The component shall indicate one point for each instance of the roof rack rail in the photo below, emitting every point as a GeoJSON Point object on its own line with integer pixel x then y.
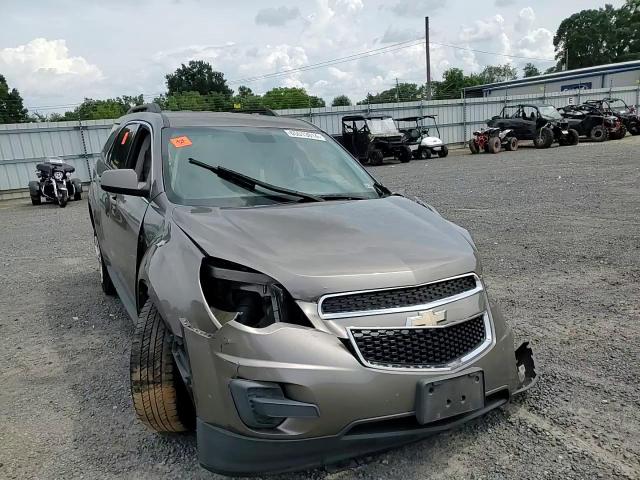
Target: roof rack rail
{"type": "Point", "coordinates": [147, 107]}
{"type": "Point", "coordinates": [255, 111]}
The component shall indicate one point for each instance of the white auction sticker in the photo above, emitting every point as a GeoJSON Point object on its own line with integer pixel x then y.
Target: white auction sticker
{"type": "Point", "coordinates": [305, 134]}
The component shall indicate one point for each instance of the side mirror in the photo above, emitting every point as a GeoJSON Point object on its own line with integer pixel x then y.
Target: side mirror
{"type": "Point", "coordinates": [123, 181]}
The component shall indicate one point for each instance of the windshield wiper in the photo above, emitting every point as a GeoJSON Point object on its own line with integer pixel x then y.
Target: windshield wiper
{"type": "Point", "coordinates": [341, 196]}
{"type": "Point", "coordinates": [249, 183]}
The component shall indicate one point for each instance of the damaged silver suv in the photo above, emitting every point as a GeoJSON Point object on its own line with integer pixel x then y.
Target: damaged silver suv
{"type": "Point", "coordinates": [288, 306]}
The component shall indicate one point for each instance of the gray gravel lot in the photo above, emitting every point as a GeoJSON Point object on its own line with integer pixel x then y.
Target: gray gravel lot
{"type": "Point", "coordinates": [559, 234]}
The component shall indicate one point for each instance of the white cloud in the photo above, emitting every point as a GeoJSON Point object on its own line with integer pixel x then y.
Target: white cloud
{"type": "Point", "coordinates": [416, 8]}
{"type": "Point", "coordinates": [348, 6]}
{"type": "Point", "coordinates": [44, 68]}
{"type": "Point", "coordinates": [504, 3]}
{"type": "Point", "coordinates": [397, 34]}
{"type": "Point", "coordinates": [482, 29]}
{"type": "Point", "coordinates": [276, 16]}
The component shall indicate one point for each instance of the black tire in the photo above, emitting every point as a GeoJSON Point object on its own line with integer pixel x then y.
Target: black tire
{"type": "Point", "coordinates": [77, 196]}
{"type": "Point", "coordinates": [160, 398]}
{"type": "Point", "coordinates": [544, 139]}
{"type": "Point", "coordinates": [36, 200]}
{"type": "Point", "coordinates": [634, 128]}
{"type": "Point", "coordinates": [473, 146]}
{"type": "Point", "coordinates": [573, 137]}
{"type": "Point", "coordinates": [494, 144]}
{"type": "Point", "coordinates": [405, 155]}
{"type": "Point", "coordinates": [63, 199]}
{"type": "Point", "coordinates": [598, 133]}
{"type": "Point", "coordinates": [105, 279]}
{"type": "Point", "coordinates": [424, 153]}
{"type": "Point", "coordinates": [512, 144]}
{"type": "Point", "coordinates": [376, 157]}
{"type": "Point", "coordinates": [620, 134]}
{"type": "Point", "coordinates": [443, 152]}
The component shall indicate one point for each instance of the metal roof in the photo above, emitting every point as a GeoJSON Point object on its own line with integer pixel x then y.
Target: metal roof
{"type": "Point", "coordinates": [579, 72]}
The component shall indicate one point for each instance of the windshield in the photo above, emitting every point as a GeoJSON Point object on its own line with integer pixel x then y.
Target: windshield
{"type": "Point", "coordinates": [305, 161]}
{"type": "Point", "coordinates": [549, 113]}
{"type": "Point", "coordinates": [382, 126]}
{"type": "Point", "coordinates": [618, 105]}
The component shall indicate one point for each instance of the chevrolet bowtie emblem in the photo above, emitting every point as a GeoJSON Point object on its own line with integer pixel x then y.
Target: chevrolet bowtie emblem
{"type": "Point", "coordinates": [429, 318]}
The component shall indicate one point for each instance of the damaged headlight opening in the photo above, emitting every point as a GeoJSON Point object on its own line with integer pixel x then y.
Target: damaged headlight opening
{"type": "Point", "coordinates": [236, 292]}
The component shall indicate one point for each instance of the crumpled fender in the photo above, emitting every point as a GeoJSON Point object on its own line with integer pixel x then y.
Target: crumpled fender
{"type": "Point", "coordinates": [170, 268]}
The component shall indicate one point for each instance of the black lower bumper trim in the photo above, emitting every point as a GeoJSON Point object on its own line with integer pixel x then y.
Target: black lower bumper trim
{"type": "Point", "coordinates": [228, 453]}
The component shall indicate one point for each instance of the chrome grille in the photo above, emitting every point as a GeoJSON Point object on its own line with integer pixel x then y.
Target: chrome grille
{"type": "Point", "coordinates": [359, 302]}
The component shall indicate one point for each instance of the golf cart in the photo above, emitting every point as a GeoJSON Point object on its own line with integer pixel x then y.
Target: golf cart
{"type": "Point", "coordinates": [372, 138]}
{"type": "Point", "coordinates": [541, 123]}
{"type": "Point", "coordinates": [417, 137]}
{"type": "Point", "coordinates": [619, 108]}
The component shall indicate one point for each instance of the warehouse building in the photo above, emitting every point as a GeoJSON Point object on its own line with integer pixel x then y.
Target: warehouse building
{"type": "Point", "coordinates": [623, 74]}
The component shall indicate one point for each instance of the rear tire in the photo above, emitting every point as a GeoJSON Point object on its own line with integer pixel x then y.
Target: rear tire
{"type": "Point", "coordinates": [444, 151]}
{"type": "Point", "coordinates": [512, 144]}
{"type": "Point", "coordinates": [598, 133]}
{"type": "Point", "coordinates": [405, 155]}
{"type": "Point", "coordinates": [473, 146]}
{"type": "Point", "coordinates": [36, 200]}
{"type": "Point", "coordinates": [376, 157]}
{"type": "Point", "coordinates": [494, 145]}
{"type": "Point", "coordinates": [620, 134]}
{"type": "Point", "coordinates": [634, 129]}
{"type": "Point", "coordinates": [160, 398]}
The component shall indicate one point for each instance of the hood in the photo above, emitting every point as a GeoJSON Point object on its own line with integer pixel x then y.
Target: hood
{"type": "Point", "coordinates": [329, 247]}
{"type": "Point", "coordinates": [430, 141]}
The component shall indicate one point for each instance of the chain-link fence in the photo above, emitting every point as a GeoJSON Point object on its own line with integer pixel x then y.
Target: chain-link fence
{"type": "Point", "coordinates": [78, 143]}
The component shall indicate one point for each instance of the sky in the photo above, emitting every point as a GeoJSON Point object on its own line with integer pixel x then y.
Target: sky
{"type": "Point", "coordinates": [58, 53]}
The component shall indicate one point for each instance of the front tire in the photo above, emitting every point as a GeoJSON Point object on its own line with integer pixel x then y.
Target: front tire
{"type": "Point", "coordinates": [544, 139]}
{"type": "Point", "coordinates": [473, 146]}
{"type": "Point", "coordinates": [425, 153]}
{"type": "Point", "coordinates": [405, 155]}
{"type": "Point", "coordinates": [160, 398]}
{"type": "Point", "coordinates": [63, 199]}
{"type": "Point", "coordinates": [376, 157]}
{"type": "Point", "coordinates": [512, 144]}
{"type": "Point", "coordinates": [444, 151]}
{"type": "Point", "coordinates": [36, 200]}
{"type": "Point", "coordinates": [573, 137]}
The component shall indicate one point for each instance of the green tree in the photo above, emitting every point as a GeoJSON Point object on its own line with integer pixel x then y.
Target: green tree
{"type": "Point", "coordinates": [244, 92]}
{"type": "Point", "coordinates": [290, 97]}
{"type": "Point", "coordinates": [197, 76]}
{"type": "Point", "coordinates": [402, 92]}
{"type": "Point", "coordinates": [595, 37]}
{"type": "Point", "coordinates": [91, 109]}
{"type": "Point", "coordinates": [498, 73]}
{"type": "Point", "coordinates": [341, 101]}
{"type": "Point", "coordinates": [530, 70]}
{"type": "Point", "coordinates": [11, 104]}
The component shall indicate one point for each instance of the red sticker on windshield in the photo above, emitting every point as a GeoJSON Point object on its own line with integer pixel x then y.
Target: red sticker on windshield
{"type": "Point", "coordinates": [180, 142]}
{"type": "Point", "coordinates": [124, 138]}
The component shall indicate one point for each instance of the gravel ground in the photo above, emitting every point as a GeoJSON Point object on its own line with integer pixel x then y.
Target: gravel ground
{"type": "Point", "coordinates": [558, 230]}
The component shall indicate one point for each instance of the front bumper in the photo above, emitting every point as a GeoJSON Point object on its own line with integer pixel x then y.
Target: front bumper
{"type": "Point", "coordinates": [361, 409]}
{"type": "Point", "coordinates": [229, 453]}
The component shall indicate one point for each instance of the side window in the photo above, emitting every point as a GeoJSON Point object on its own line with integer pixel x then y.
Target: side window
{"type": "Point", "coordinates": [140, 157]}
{"type": "Point", "coordinates": [119, 153]}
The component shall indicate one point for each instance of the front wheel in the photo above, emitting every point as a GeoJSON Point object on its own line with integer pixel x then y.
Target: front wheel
{"type": "Point", "coordinates": [63, 199]}
{"type": "Point", "coordinates": [634, 129]}
{"type": "Point", "coordinates": [425, 153]}
{"type": "Point", "coordinates": [473, 146]}
{"type": "Point", "coordinates": [444, 151]}
{"type": "Point", "coordinates": [405, 155]}
{"type": "Point", "coordinates": [36, 200]}
{"type": "Point", "coordinates": [573, 137]}
{"type": "Point", "coordinates": [598, 133]}
{"type": "Point", "coordinates": [160, 398]}
{"type": "Point", "coordinates": [544, 139]}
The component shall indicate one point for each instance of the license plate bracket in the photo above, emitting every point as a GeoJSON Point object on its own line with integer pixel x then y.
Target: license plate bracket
{"type": "Point", "coordinates": [441, 399]}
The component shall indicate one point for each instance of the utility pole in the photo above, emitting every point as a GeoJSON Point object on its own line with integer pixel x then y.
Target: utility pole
{"type": "Point", "coordinates": [397, 91]}
{"type": "Point", "coordinates": [428, 56]}
{"type": "Point", "coordinates": [566, 57]}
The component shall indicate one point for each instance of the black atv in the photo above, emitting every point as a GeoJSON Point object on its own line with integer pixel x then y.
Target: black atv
{"type": "Point", "coordinates": [541, 123]}
{"type": "Point", "coordinates": [619, 108]}
{"type": "Point", "coordinates": [592, 123]}
{"type": "Point", "coordinates": [372, 138]}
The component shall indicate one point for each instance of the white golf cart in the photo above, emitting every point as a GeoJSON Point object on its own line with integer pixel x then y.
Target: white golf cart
{"type": "Point", "coordinates": [417, 136]}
